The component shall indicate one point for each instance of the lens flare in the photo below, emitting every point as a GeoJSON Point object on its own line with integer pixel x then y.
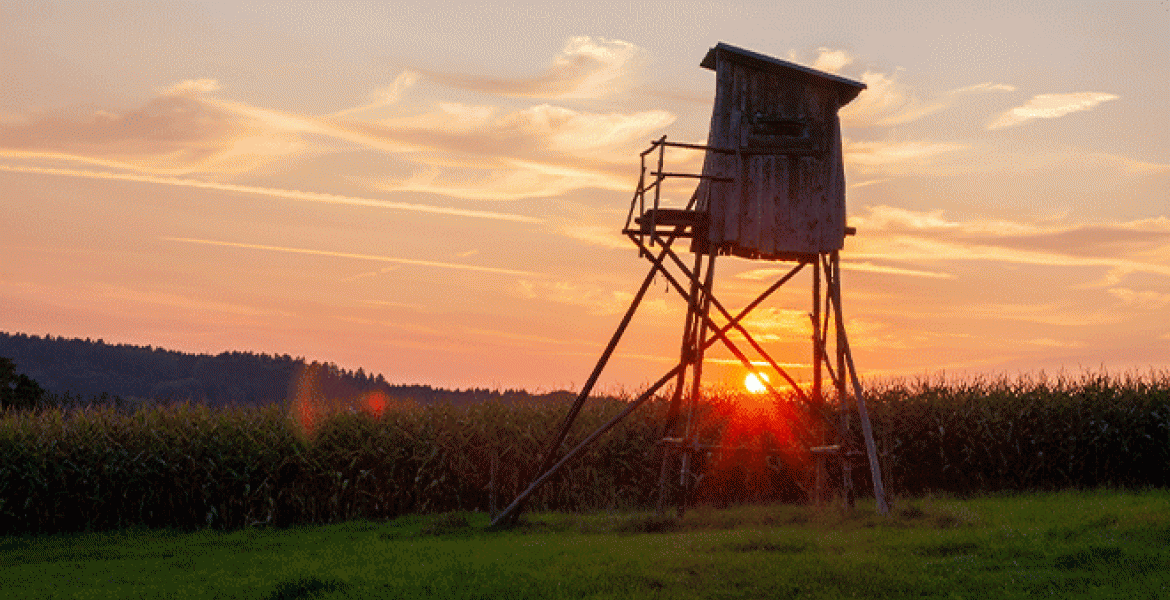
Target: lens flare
{"type": "Point", "coordinates": [374, 403]}
{"type": "Point", "coordinates": [308, 400]}
{"type": "Point", "coordinates": [754, 382]}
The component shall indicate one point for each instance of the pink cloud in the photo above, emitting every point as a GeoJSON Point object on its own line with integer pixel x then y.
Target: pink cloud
{"type": "Point", "coordinates": [586, 68]}
{"type": "Point", "coordinates": [1049, 106]}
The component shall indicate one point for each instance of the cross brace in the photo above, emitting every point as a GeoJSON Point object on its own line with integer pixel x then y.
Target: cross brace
{"type": "Point", "coordinates": [696, 340]}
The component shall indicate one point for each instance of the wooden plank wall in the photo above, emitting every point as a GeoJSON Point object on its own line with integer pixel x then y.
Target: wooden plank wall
{"type": "Point", "coordinates": [780, 204]}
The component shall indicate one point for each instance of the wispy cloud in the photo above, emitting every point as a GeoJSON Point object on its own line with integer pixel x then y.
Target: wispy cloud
{"type": "Point", "coordinates": [896, 157]}
{"type": "Point", "coordinates": [458, 150]}
{"type": "Point", "coordinates": [181, 302]}
{"type": "Point", "coordinates": [586, 68]}
{"type": "Point", "coordinates": [605, 236]}
{"type": "Point", "coordinates": [867, 267]}
{"type": "Point", "coordinates": [596, 300]}
{"type": "Point", "coordinates": [515, 179]}
{"type": "Point", "coordinates": [1128, 247]}
{"type": "Point", "coordinates": [172, 134]}
{"type": "Point", "coordinates": [1054, 343]}
{"type": "Point", "coordinates": [881, 159]}
{"type": "Point", "coordinates": [543, 127]}
{"type": "Point", "coordinates": [832, 61]}
{"type": "Point", "coordinates": [528, 340]}
{"type": "Point", "coordinates": [354, 256]}
{"type": "Point", "coordinates": [1049, 106]}
{"type": "Point", "coordinates": [473, 152]}
{"type": "Point", "coordinates": [297, 195]}
{"type": "Point", "coordinates": [886, 101]}
{"type": "Point", "coordinates": [1147, 300]}
{"type": "Point", "coordinates": [384, 97]}
{"type": "Point", "coordinates": [191, 86]}
{"type": "Point", "coordinates": [772, 324]}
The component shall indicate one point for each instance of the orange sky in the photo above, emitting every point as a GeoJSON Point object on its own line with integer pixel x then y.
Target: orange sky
{"type": "Point", "coordinates": [434, 191]}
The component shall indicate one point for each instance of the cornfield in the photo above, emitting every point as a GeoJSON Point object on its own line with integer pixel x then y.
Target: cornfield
{"type": "Point", "coordinates": [188, 466]}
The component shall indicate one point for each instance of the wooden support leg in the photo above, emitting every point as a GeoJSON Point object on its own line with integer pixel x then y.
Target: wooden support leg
{"type": "Point", "coordinates": [846, 355]}
{"type": "Point", "coordinates": [551, 452]}
{"type": "Point", "coordinates": [686, 356]}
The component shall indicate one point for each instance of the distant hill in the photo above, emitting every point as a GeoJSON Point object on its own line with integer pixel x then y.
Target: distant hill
{"type": "Point", "coordinates": [89, 368]}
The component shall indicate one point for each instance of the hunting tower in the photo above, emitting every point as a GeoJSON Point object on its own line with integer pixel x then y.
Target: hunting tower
{"type": "Point", "coordinates": [772, 188]}
{"type": "Point", "coordinates": [781, 194]}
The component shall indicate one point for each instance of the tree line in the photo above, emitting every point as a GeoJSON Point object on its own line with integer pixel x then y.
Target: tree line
{"type": "Point", "coordinates": [47, 371]}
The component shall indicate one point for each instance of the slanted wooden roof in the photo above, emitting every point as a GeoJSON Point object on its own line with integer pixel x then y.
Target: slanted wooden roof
{"type": "Point", "coordinates": [847, 88]}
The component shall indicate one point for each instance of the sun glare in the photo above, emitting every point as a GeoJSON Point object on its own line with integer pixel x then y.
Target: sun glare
{"type": "Point", "coordinates": [755, 382]}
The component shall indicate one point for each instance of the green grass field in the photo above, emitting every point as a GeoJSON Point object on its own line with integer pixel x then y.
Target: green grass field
{"type": "Point", "coordinates": [1061, 545]}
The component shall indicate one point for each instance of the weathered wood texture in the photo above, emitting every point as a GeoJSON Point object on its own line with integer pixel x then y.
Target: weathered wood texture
{"type": "Point", "coordinates": [788, 194]}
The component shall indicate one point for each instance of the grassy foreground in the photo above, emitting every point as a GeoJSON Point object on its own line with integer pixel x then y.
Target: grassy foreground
{"type": "Point", "coordinates": [1059, 545]}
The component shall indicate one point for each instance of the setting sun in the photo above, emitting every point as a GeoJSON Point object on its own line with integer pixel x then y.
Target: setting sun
{"type": "Point", "coordinates": [755, 383]}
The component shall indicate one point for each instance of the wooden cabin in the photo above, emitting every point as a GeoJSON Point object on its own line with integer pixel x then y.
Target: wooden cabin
{"type": "Point", "coordinates": [775, 181]}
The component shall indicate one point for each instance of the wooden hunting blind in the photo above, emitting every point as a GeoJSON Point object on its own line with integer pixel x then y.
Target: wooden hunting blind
{"type": "Point", "coordinates": [780, 190]}
{"type": "Point", "coordinates": [772, 187]}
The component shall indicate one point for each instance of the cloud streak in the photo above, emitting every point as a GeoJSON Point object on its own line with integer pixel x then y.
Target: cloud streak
{"type": "Point", "coordinates": [354, 256]}
{"type": "Point", "coordinates": [285, 194]}
{"type": "Point", "coordinates": [458, 150]}
{"type": "Point", "coordinates": [596, 300]}
{"type": "Point", "coordinates": [170, 134]}
{"type": "Point", "coordinates": [886, 101]}
{"type": "Point", "coordinates": [585, 68]}
{"type": "Point", "coordinates": [1141, 246]}
{"type": "Point", "coordinates": [1049, 106]}
{"type": "Point", "coordinates": [191, 86]}
{"type": "Point", "coordinates": [384, 97]}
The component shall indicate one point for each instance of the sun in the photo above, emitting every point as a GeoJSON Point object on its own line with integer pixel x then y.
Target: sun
{"type": "Point", "coordinates": [755, 382]}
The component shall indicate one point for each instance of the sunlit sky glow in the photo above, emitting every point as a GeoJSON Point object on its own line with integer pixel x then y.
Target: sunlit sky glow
{"type": "Point", "coordinates": [434, 191]}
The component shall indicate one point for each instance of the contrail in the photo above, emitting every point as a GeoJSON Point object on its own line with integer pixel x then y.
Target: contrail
{"type": "Point", "coordinates": [373, 257]}
{"type": "Point", "coordinates": [298, 195]}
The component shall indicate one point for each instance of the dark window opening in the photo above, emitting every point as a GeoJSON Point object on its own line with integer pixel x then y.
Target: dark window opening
{"type": "Point", "coordinates": [778, 126]}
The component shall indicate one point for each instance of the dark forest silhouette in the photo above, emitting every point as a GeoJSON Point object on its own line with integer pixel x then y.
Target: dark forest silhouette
{"type": "Point", "coordinates": [84, 371]}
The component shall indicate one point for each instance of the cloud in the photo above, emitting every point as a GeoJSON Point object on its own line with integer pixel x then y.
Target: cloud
{"type": "Point", "coordinates": [191, 86]}
{"type": "Point", "coordinates": [881, 159]}
{"type": "Point", "coordinates": [179, 302]}
{"type": "Point", "coordinates": [586, 68]}
{"type": "Point", "coordinates": [891, 218]}
{"type": "Point", "coordinates": [513, 180]}
{"type": "Point", "coordinates": [867, 267]}
{"type": "Point", "coordinates": [169, 135]}
{"type": "Point", "coordinates": [606, 236]}
{"type": "Point", "coordinates": [353, 256]}
{"type": "Point", "coordinates": [1049, 106]}
{"type": "Point", "coordinates": [540, 151]}
{"type": "Point", "coordinates": [384, 97]}
{"type": "Point", "coordinates": [528, 341]}
{"type": "Point", "coordinates": [596, 300]}
{"type": "Point", "coordinates": [831, 61]}
{"type": "Point", "coordinates": [886, 101]}
{"type": "Point", "coordinates": [771, 324]}
{"type": "Point", "coordinates": [1051, 343]}
{"type": "Point", "coordinates": [286, 194]}
{"type": "Point", "coordinates": [1141, 246]}
{"type": "Point", "coordinates": [1148, 300]}
{"type": "Point", "coordinates": [544, 126]}
{"type": "Point", "coordinates": [475, 152]}
{"type": "Point", "coordinates": [895, 157]}
{"type": "Point", "coordinates": [983, 87]}
{"type": "Point", "coordinates": [177, 134]}
{"type": "Point", "coordinates": [462, 151]}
